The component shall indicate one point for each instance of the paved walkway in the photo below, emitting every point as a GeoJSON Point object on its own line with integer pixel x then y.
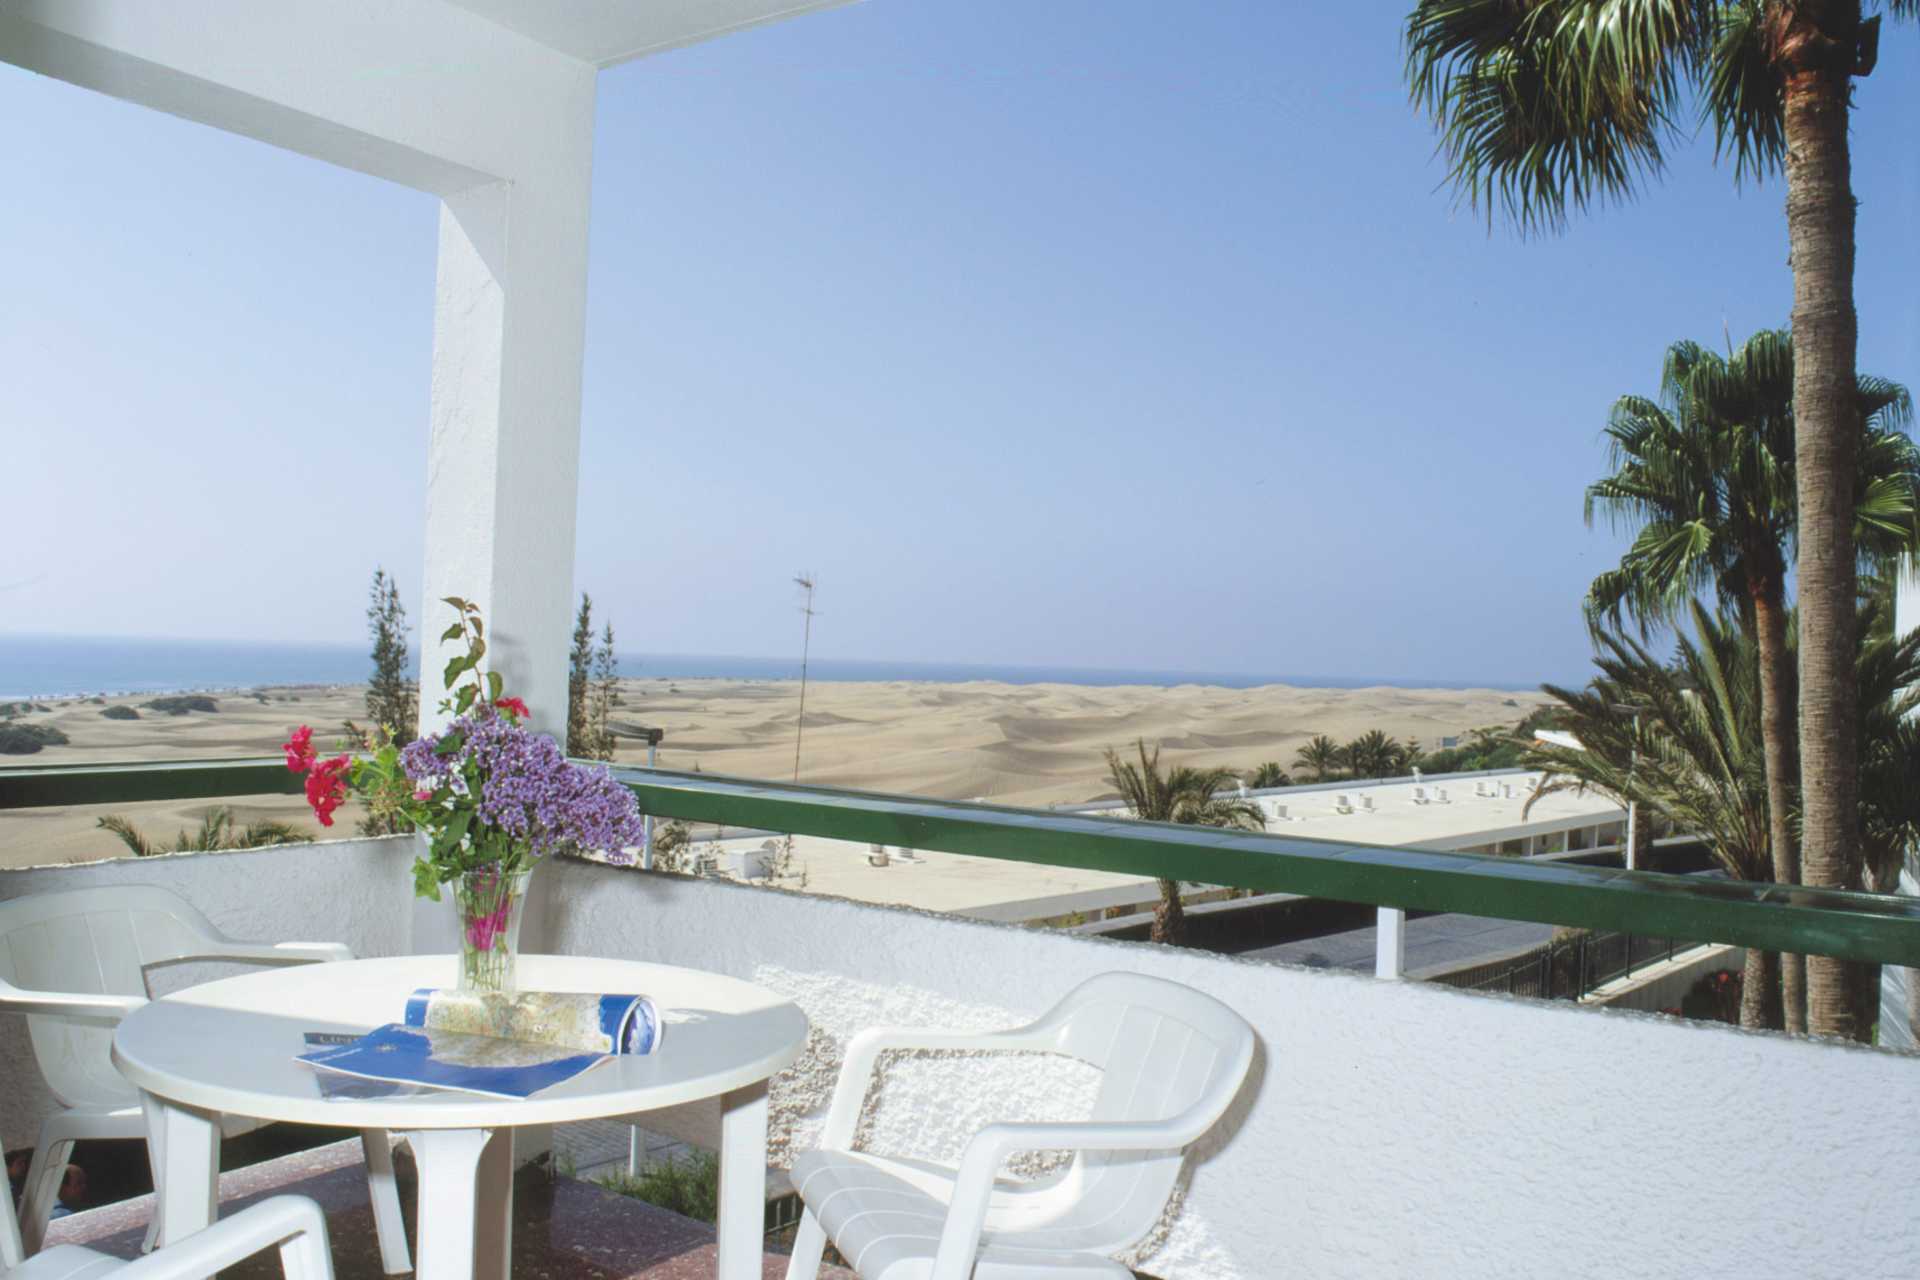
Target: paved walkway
{"type": "Point", "coordinates": [1434, 944]}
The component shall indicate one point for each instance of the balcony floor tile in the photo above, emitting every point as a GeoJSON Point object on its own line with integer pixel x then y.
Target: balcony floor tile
{"type": "Point", "coordinates": [563, 1229]}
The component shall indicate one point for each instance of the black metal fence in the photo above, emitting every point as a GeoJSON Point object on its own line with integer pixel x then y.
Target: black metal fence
{"type": "Point", "coordinates": [1566, 968]}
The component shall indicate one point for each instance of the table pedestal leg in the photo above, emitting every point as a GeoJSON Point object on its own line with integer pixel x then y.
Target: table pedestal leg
{"type": "Point", "coordinates": [384, 1193]}
{"type": "Point", "coordinates": [466, 1203]}
{"type": "Point", "coordinates": [183, 1146]}
{"type": "Point", "coordinates": [743, 1183]}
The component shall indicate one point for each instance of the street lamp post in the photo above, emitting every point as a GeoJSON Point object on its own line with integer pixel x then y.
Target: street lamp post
{"type": "Point", "coordinates": [1633, 808]}
{"type": "Point", "coordinates": [654, 738]}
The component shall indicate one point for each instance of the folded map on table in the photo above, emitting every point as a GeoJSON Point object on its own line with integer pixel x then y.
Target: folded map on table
{"type": "Point", "coordinates": [492, 1045]}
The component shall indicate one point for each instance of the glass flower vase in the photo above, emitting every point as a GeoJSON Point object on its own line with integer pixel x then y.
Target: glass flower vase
{"type": "Point", "coordinates": [486, 904]}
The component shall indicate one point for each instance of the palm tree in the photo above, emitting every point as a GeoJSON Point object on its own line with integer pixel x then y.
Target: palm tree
{"type": "Point", "coordinates": [1692, 753]}
{"type": "Point", "coordinates": [217, 831]}
{"type": "Point", "coordinates": [1269, 774]}
{"type": "Point", "coordinates": [1188, 796]}
{"type": "Point", "coordinates": [1549, 105]}
{"type": "Point", "coordinates": [1705, 478]}
{"type": "Point", "coordinates": [1889, 681]}
{"type": "Point", "coordinates": [1695, 753]}
{"type": "Point", "coordinates": [1373, 755]}
{"type": "Point", "coordinates": [1321, 754]}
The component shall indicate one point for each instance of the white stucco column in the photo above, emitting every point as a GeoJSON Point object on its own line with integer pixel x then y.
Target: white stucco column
{"type": "Point", "coordinates": [1390, 943]}
{"type": "Point", "coordinates": [503, 460]}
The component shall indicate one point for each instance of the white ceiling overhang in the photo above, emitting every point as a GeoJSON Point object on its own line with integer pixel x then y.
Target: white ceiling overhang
{"type": "Point", "coordinates": [608, 32]}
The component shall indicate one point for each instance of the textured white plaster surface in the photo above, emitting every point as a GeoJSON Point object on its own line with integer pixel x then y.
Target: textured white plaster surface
{"type": "Point", "coordinates": [1390, 1128]}
{"type": "Point", "coordinates": [351, 891]}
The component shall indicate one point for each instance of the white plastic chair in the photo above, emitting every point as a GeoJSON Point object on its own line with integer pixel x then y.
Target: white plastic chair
{"type": "Point", "coordinates": [75, 964]}
{"type": "Point", "coordinates": [294, 1224]}
{"type": "Point", "coordinates": [1171, 1059]}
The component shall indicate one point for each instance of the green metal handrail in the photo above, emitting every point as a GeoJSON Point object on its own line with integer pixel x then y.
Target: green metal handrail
{"type": "Point", "coordinates": [49, 786]}
{"type": "Point", "coordinates": [1850, 926]}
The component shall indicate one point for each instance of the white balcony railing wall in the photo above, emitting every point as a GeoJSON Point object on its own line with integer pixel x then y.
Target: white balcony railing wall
{"type": "Point", "coordinates": [1388, 1128]}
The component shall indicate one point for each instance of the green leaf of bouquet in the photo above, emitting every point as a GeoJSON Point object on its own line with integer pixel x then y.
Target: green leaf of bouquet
{"type": "Point", "coordinates": [495, 684]}
{"type": "Point", "coordinates": [426, 880]}
{"type": "Point", "coordinates": [448, 838]}
{"type": "Point", "coordinates": [451, 633]}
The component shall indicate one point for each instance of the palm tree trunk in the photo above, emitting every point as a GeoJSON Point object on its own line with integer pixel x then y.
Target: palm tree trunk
{"type": "Point", "coordinates": [1759, 989]}
{"type": "Point", "coordinates": [1776, 736]}
{"type": "Point", "coordinates": [1169, 918]}
{"type": "Point", "coordinates": [1818, 46]}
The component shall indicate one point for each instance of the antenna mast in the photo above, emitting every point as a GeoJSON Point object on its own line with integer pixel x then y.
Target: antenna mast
{"type": "Point", "coordinates": [804, 580]}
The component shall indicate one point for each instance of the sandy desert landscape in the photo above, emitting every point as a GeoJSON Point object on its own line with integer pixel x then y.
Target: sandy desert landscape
{"type": "Point", "coordinates": [1024, 744]}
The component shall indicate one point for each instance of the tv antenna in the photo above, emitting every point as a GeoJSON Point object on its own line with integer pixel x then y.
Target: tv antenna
{"type": "Point", "coordinates": [805, 581]}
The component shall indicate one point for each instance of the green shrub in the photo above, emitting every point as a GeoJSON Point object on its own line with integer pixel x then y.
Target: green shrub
{"type": "Point", "coordinates": [25, 739]}
{"type": "Point", "coordinates": [1715, 998]}
{"type": "Point", "coordinates": [181, 704]}
{"type": "Point", "coordinates": [690, 1188]}
{"type": "Point", "coordinates": [121, 712]}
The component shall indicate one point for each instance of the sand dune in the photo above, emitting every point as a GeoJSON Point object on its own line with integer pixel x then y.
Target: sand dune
{"type": "Point", "coordinates": [1015, 744]}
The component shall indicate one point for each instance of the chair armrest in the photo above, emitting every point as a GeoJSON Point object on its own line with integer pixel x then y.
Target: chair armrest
{"type": "Point", "coordinates": [293, 1223]}
{"type": "Point", "coordinates": [277, 952]}
{"type": "Point", "coordinates": [67, 1004]}
{"type": "Point", "coordinates": [856, 1073]}
{"type": "Point", "coordinates": [989, 1148]}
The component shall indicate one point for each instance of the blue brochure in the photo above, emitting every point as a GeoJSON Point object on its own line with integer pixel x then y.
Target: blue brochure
{"type": "Point", "coordinates": [489, 1044]}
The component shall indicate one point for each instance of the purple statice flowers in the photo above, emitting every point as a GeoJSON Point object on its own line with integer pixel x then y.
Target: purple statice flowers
{"type": "Point", "coordinates": [522, 792]}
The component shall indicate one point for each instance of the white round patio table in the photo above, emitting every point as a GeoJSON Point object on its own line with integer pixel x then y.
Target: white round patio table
{"type": "Point", "coordinates": [228, 1047]}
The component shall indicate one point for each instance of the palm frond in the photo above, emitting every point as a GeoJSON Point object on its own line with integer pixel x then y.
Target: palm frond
{"type": "Point", "coordinates": [1745, 92]}
{"type": "Point", "coordinates": [130, 835]}
{"type": "Point", "coordinates": [1554, 105]}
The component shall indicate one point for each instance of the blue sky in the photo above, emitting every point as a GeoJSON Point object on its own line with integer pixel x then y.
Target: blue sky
{"type": "Point", "coordinates": [1093, 334]}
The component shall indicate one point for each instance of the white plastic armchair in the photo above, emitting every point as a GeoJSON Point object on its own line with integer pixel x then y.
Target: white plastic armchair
{"type": "Point", "coordinates": [1171, 1060]}
{"type": "Point", "coordinates": [293, 1224]}
{"type": "Point", "coordinates": [75, 963]}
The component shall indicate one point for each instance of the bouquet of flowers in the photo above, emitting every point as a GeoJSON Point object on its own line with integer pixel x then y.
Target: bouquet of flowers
{"type": "Point", "coordinates": [490, 797]}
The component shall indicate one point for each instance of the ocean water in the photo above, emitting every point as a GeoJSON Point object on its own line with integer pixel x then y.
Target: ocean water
{"type": "Point", "coordinates": [56, 666]}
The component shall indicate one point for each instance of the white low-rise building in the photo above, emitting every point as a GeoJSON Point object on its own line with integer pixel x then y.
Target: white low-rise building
{"type": "Point", "coordinates": [1493, 813]}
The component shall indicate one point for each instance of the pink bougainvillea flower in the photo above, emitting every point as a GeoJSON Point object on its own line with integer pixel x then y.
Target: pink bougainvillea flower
{"type": "Point", "coordinates": [299, 749]}
{"type": "Point", "coordinates": [513, 706]}
{"type": "Point", "coordinates": [327, 788]}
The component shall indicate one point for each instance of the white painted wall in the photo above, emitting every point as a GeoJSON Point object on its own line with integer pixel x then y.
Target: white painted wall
{"type": "Point", "coordinates": [1390, 1129]}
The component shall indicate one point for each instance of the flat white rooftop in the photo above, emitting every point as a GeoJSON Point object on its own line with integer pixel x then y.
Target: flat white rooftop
{"type": "Point", "coordinates": [1449, 813]}
{"type": "Point", "coordinates": [1382, 813]}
